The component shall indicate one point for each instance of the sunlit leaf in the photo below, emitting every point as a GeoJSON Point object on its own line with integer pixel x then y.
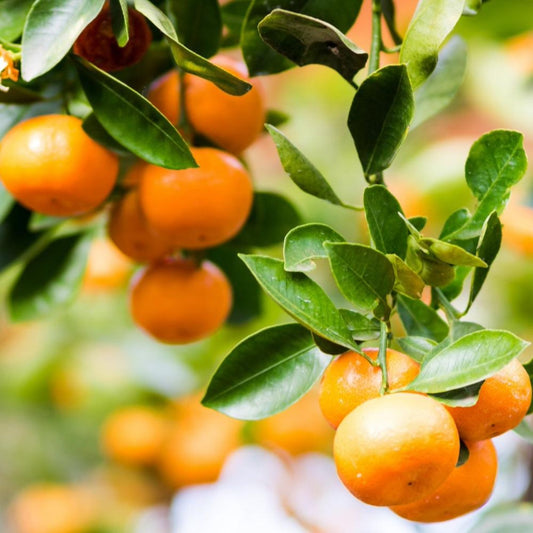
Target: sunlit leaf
{"type": "Point", "coordinates": [305, 243]}
{"type": "Point", "coordinates": [266, 373]}
{"type": "Point", "coordinates": [301, 298]}
{"type": "Point", "coordinates": [470, 359]}
{"type": "Point", "coordinates": [364, 276]}
{"type": "Point", "coordinates": [416, 347]}
{"type": "Point", "coordinates": [124, 113]}
{"type": "Point", "coordinates": [50, 31]}
{"type": "Point", "coordinates": [429, 27]}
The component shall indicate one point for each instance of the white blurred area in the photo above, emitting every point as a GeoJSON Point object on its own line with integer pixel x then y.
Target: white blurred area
{"type": "Point", "coordinates": [259, 491]}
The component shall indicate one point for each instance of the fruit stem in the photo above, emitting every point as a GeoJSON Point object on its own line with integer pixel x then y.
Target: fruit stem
{"type": "Point", "coordinates": [382, 357]}
{"type": "Point", "coordinates": [375, 47]}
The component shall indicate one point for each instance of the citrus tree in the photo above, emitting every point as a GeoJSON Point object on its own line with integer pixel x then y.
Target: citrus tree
{"type": "Point", "coordinates": [125, 115]}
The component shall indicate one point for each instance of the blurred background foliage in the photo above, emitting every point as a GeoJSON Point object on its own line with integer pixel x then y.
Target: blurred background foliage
{"type": "Point", "coordinates": [61, 379]}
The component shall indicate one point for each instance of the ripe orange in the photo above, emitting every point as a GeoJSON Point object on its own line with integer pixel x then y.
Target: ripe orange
{"type": "Point", "coordinates": [134, 435]}
{"type": "Point", "coordinates": [49, 508]}
{"type": "Point", "coordinates": [107, 267]}
{"type": "Point", "coordinates": [198, 445]}
{"type": "Point", "coordinates": [396, 449]}
{"type": "Point", "coordinates": [467, 488]}
{"type": "Point", "coordinates": [50, 165]}
{"type": "Point", "coordinates": [179, 302]}
{"type": "Point", "coordinates": [351, 380]}
{"type": "Point", "coordinates": [97, 42]}
{"type": "Point", "coordinates": [504, 400]}
{"type": "Point", "coordinates": [230, 122]}
{"type": "Point", "coordinates": [298, 429]}
{"type": "Point", "coordinates": [130, 232]}
{"type": "Point", "coordinates": [198, 207]}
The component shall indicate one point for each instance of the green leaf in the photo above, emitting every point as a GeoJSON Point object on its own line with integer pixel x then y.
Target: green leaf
{"type": "Point", "coordinates": [387, 229]}
{"type": "Point", "coordinates": [364, 276]}
{"type": "Point", "coordinates": [455, 222]}
{"type": "Point", "coordinates": [421, 320]}
{"type": "Point", "coordinates": [14, 14]}
{"type": "Point", "coordinates": [18, 94]}
{"type": "Point", "coordinates": [361, 327]}
{"type": "Point", "coordinates": [464, 454]}
{"type": "Point", "coordinates": [10, 115]}
{"type": "Point", "coordinates": [39, 222]}
{"type": "Point", "coordinates": [124, 113]}
{"type": "Point", "coordinates": [50, 31]}
{"type": "Point", "coordinates": [419, 223]}
{"type": "Point", "coordinates": [276, 118]}
{"type": "Point", "coordinates": [380, 115]}
{"type": "Point", "coordinates": [429, 27]}
{"type": "Point", "coordinates": [266, 373]}
{"type": "Point", "coordinates": [246, 292]}
{"type": "Point", "coordinates": [92, 127]}
{"type": "Point", "coordinates": [305, 243]}
{"type": "Point", "coordinates": [120, 21]}
{"type": "Point", "coordinates": [188, 60]}
{"type": "Point", "coordinates": [233, 15]}
{"type": "Point", "coordinates": [444, 82]}
{"type": "Point", "coordinates": [470, 359]}
{"type": "Point", "coordinates": [15, 237]}
{"type": "Point", "coordinates": [463, 397]}
{"type": "Point", "coordinates": [306, 40]}
{"type": "Point", "coordinates": [407, 281]}
{"type": "Point", "coordinates": [327, 346]}
{"type": "Point", "coordinates": [198, 24]}
{"type": "Point", "coordinates": [301, 298]}
{"type": "Point", "coordinates": [272, 216]}
{"type": "Point", "coordinates": [6, 202]}
{"type": "Point", "coordinates": [526, 432]}
{"type": "Point", "coordinates": [451, 253]}
{"type": "Point", "coordinates": [416, 347]}
{"type": "Point", "coordinates": [488, 248]}
{"type": "Point", "coordinates": [472, 7]}
{"type": "Point", "coordinates": [260, 58]}
{"type": "Point", "coordinates": [455, 288]}
{"type": "Point", "coordinates": [50, 280]}
{"type": "Point", "coordinates": [496, 162]}
{"type": "Point", "coordinates": [301, 171]}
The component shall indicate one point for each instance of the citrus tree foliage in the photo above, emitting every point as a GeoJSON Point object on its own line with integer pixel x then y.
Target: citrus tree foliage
{"type": "Point", "coordinates": [389, 278]}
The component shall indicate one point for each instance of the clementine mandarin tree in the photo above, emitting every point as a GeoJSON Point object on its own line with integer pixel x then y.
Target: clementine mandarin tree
{"type": "Point", "coordinates": [131, 116]}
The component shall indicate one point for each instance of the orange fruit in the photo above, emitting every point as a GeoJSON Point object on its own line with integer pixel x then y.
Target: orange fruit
{"type": "Point", "coordinates": [518, 228]}
{"type": "Point", "coordinates": [503, 402]}
{"type": "Point", "coordinates": [50, 165]}
{"type": "Point", "coordinates": [198, 445]}
{"type": "Point", "coordinates": [298, 429]}
{"type": "Point", "coordinates": [466, 489]}
{"type": "Point", "coordinates": [130, 232]}
{"type": "Point", "coordinates": [134, 435]}
{"type": "Point", "coordinates": [231, 122]}
{"type": "Point", "coordinates": [179, 302]}
{"type": "Point", "coordinates": [97, 42]}
{"type": "Point", "coordinates": [50, 508]}
{"type": "Point", "coordinates": [107, 267]}
{"type": "Point", "coordinates": [351, 380]}
{"type": "Point", "coordinates": [396, 449]}
{"type": "Point", "coordinates": [198, 207]}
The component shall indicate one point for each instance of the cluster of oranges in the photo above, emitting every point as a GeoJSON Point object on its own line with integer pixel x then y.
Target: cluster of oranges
{"type": "Point", "coordinates": [401, 449]}
{"type": "Point", "coordinates": [165, 218]}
